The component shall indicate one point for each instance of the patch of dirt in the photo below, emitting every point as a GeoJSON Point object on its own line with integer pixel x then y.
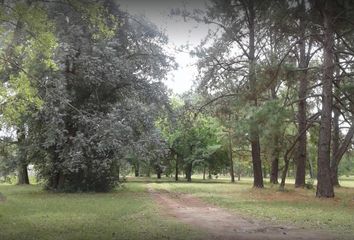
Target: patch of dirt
{"type": "Point", "coordinates": [223, 224]}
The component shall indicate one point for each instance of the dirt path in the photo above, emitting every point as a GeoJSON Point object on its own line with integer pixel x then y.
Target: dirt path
{"type": "Point", "coordinates": [222, 224]}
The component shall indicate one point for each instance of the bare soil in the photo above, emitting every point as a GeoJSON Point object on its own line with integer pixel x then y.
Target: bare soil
{"type": "Point", "coordinates": [220, 223]}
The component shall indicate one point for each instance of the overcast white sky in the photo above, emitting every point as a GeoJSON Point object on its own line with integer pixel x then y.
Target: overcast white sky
{"type": "Point", "coordinates": [179, 33]}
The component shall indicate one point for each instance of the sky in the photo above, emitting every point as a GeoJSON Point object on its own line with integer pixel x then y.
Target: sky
{"type": "Point", "coordinates": [179, 33]}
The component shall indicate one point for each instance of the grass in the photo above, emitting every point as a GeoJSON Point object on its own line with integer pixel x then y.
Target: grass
{"type": "Point", "coordinates": [347, 181]}
{"type": "Point", "coordinates": [129, 213]}
{"type": "Point", "coordinates": [294, 206]}
{"type": "Point", "coordinates": [28, 212]}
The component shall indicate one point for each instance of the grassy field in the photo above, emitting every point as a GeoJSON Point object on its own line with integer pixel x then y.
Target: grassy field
{"type": "Point", "coordinates": [129, 213]}
{"type": "Point", "coordinates": [28, 212]}
{"type": "Point", "coordinates": [294, 206]}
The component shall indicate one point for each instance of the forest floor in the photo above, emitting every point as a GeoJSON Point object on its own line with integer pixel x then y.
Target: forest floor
{"type": "Point", "coordinates": [220, 223]}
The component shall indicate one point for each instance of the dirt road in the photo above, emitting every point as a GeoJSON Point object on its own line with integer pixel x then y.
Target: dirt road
{"type": "Point", "coordinates": [220, 223]}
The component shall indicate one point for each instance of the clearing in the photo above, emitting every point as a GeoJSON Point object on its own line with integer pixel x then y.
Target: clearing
{"type": "Point", "coordinates": [222, 224]}
{"type": "Point", "coordinates": [147, 208]}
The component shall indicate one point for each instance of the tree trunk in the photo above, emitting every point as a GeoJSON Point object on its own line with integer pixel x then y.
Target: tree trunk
{"type": "Point", "coordinates": [232, 174]}
{"type": "Point", "coordinates": [118, 173]}
{"type": "Point", "coordinates": [22, 157]}
{"type": "Point", "coordinates": [148, 174]}
{"type": "Point", "coordinates": [58, 181]}
{"type": "Point", "coordinates": [292, 147]}
{"type": "Point", "coordinates": [61, 181]}
{"type": "Point", "coordinates": [324, 181]}
{"type": "Point", "coordinates": [311, 168]}
{"type": "Point", "coordinates": [254, 131]}
{"type": "Point", "coordinates": [341, 151]}
{"type": "Point", "coordinates": [137, 169]}
{"type": "Point", "coordinates": [23, 174]}
{"type": "Point", "coordinates": [285, 171]}
{"type": "Point", "coordinates": [11, 70]}
{"type": "Point", "coordinates": [204, 169]}
{"type": "Point", "coordinates": [335, 146]}
{"type": "Point", "coordinates": [189, 172]}
{"type": "Point", "coordinates": [256, 161]}
{"type": "Point", "coordinates": [301, 116]}
{"type": "Point", "coordinates": [338, 150]}
{"type": "Point", "coordinates": [176, 173]}
{"type": "Point", "coordinates": [274, 169]}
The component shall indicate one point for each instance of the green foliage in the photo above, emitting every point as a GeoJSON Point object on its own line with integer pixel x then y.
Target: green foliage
{"type": "Point", "coordinates": [85, 85]}
{"type": "Point", "coordinates": [8, 159]}
{"type": "Point", "coordinates": [28, 49]}
{"type": "Point", "coordinates": [196, 140]}
{"type": "Point", "coordinates": [102, 23]}
{"type": "Point", "coordinates": [346, 168]}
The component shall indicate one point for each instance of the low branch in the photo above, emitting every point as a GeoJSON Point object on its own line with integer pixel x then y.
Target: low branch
{"type": "Point", "coordinates": [311, 120]}
{"type": "Point", "coordinates": [214, 100]}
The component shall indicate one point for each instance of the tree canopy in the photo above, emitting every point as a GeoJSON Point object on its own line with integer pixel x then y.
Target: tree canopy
{"type": "Point", "coordinates": [83, 97]}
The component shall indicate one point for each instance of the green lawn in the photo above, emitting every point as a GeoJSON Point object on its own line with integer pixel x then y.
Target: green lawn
{"type": "Point", "coordinates": [129, 213]}
{"type": "Point", "coordinates": [294, 206]}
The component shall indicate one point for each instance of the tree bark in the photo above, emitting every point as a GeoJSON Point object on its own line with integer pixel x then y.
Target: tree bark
{"type": "Point", "coordinates": [285, 171]}
{"type": "Point", "coordinates": [137, 169]}
{"type": "Point", "coordinates": [312, 175]}
{"type": "Point", "coordinates": [301, 116]}
{"type": "Point", "coordinates": [335, 146]}
{"type": "Point", "coordinates": [311, 120]}
{"type": "Point", "coordinates": [177, 162]}
{"type": "Point", "coordinates": [274, 169]}
{"type": "Point", "coordinates": [22, 157]}
{"type": "Point", "coordinates": [254, 131]}
{"type": "Point", "coordinates": [23, 174]}
{"type": "Point", "coordinates": [189, 172]}
{"type": "Point", "coordinates": [232, 174]}
{"type": "Point", "coordinates": [324, 182]}
{"type": "Point", "coordinates": [118, 173]}
{"type": "Point", "coordinates": [340, 152]}
{"type": "Point", "coordinates": [204, 170]}
{"type": "Point", "coordinates": [148, 174]}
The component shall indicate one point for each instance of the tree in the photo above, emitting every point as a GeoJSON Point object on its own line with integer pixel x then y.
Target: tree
{"type": "Point", "coordinates": [339, 149]}
{"type": "Point", "coordinates": [27, 45]}
{"type": "Point", "coordinates": [304, 60]}
{"type": "Point", "coordinates": [324, 185]}
{"type": "Point", "coordinates": [98, 87]}
{"type": "Point", "coordinates": [195, 140]}
{"type": "Point", "coordinates": [230, 65]}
